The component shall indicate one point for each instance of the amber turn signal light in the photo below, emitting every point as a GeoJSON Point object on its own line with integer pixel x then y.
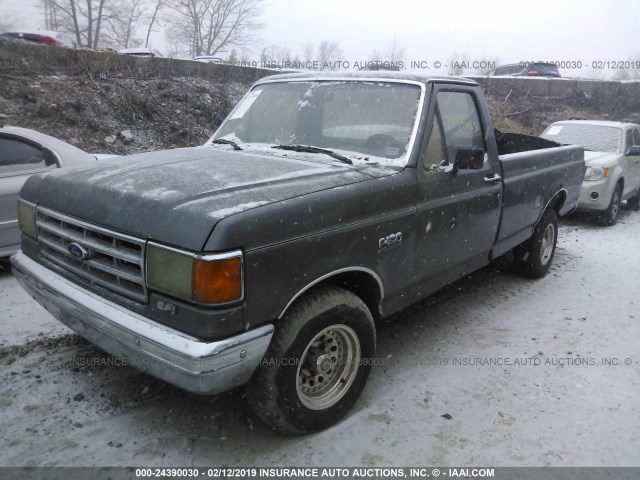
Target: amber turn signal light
{"type": "Point", "coordinates": [217, 281]}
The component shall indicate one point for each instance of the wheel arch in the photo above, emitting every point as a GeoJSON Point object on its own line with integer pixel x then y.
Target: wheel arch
{"type": "Point", "coordinates": [617, 178]}
{"type": "Point", "coordinates": [361, 281]}
{"type": "Point", "coordinates": [555, 203]}
{"type": "Point", "coordinates": [558, 200]}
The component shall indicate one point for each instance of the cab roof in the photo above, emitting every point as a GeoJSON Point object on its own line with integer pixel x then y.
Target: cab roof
{"type": "Point", "coordinates": [368, 75]}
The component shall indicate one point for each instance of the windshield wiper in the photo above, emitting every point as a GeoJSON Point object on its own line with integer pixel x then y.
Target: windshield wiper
{"type": "Point", "coordinates": [310, 149]}
{"type": "Point", "coordinates": [224, 141]}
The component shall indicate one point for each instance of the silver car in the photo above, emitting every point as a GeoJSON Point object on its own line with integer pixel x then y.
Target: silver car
{"type": "Point", "coordinates": [24, 152]}
{"type": "Point", "coordinates": [612, 155]}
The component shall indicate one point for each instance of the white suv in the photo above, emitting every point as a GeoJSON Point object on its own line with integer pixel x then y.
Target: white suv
{"type": "Point", "coordinates": [612, 155]}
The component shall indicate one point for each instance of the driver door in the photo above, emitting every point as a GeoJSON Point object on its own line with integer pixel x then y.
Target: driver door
{"type": "Point", "coordinates": [458, 205]}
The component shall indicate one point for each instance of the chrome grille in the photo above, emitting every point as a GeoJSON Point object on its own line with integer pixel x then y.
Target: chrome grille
{"type": "Point", "coordinates": [115, 261]}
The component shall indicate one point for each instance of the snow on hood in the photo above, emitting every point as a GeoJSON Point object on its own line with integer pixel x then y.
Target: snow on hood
{"type": "Point", "coordinates": [599, 159]}
{"type": "Point", "coordinates": [177, 196]}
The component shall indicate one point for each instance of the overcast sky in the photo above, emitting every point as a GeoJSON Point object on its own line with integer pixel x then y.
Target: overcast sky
{"type": "Point", "coordinates": [579, 30]}
{"type": "Point", "coordinates": [584, 30]}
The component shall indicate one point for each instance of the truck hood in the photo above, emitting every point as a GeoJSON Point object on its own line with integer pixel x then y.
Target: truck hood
{"type": "Point", "coordinates": [177, 196]}
{"type": "Point", "coordinates": [599, 159]}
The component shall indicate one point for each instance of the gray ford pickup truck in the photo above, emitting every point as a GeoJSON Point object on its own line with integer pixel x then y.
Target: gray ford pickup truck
{"type": "Point", "coordinates": [264, 257]}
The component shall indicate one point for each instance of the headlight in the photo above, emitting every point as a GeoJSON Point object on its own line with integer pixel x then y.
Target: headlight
{"type": "Point", "coordinates": [595, 173]}
{"type": "Point", "coordinates": [27, 218]}
{"type": "Point", "coordinates": [210, 279]}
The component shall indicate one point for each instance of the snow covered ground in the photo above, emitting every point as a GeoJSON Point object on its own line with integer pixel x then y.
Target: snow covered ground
{"type": "Point", "coordinates": [531, 373]}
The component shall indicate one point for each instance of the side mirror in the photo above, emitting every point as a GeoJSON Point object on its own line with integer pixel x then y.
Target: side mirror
{"type": "Point", "coordinates": [633, 151]}
{"type": "Point", "coordinates": [469, 159]}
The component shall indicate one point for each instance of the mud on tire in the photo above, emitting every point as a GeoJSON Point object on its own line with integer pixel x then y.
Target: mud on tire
{"type": "Point", "coordinates": [317, 364]}
{"type": "Point", "coordinates": [533, 258]}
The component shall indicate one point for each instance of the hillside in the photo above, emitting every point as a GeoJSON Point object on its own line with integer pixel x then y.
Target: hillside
{"type": "Point", "coordinates": [109, 103]}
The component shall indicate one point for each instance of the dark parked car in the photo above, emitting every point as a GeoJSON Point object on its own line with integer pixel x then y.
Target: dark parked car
{"type": "Point", "coordinates": [24, 152]}
{"type": "Point", "coordinates": [526, 69]}
{"type": "Point", "coordinates": [47, 37]}
{"type": "Point", "coordinates": [143, 52]}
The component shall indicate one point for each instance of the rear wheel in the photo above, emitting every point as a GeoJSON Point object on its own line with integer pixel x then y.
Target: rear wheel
{"type": "Point", "coordinates": [634, 202]}
{"type": "Point", "coordinates": [317, 364]}
{"type": "Point", "coordinates": [533, 258]}
{"type": "Point", "coordinates": [609, 217]}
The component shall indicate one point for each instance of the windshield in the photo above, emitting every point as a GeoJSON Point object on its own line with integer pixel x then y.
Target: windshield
{"type": "Point", "coordinates": [356, 118]}
{"type": "Point", "coordinates": [592, 137]}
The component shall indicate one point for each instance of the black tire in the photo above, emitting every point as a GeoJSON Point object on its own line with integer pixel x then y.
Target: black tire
{"type": "Point", "coordinates": [609, 217]}
{"type": "Point", "coordinates": [317, 363]}
{"type": "Point", "coordinates": [634, 202]}
{"type": "Point", "coordinates": [533, 258]}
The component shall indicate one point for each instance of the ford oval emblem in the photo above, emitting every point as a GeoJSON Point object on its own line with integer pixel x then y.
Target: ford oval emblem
{"type": "Point", "coordinates": [77, 251]}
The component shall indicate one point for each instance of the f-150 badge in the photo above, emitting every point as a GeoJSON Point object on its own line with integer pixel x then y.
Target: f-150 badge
{"type": "Point", "coordinates": [389, 241]}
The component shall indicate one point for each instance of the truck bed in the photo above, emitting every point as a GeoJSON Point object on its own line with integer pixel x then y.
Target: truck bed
{"type": "Point", "coordinates": [532, 179]}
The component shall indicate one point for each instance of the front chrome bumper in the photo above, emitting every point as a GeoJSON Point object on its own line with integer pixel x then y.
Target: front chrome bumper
{"type": "Point", "coordinates": [165, 353]}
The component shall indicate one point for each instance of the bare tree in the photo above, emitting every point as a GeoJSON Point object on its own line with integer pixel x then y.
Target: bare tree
{"type": "Point", "coordinates": [233, 57]}
{"type": "Point", "coordinates": [395, 52]}
{"type": "Point", "coordinates": [275, 53]}
{"type": "Point", "coordinates": [50, 14]}
{"type": "Point", "coordinates": [152, 20]}
{"type": "Point", "coordinates": [457, 64]}
{"type": "Point", "coordinates": [329, 54]}
{"type": "Point", "coordinates": [176, 47]}
{"type": "Point", "coordinates": [244, 58]}
{"type": "Point", "coordinates": [82, 18]}
{"type": "Point", "coordinates": [375, 56]}
{"type": "Point", "coordinates": [123, 26]}
{"type": "Point", "coordinates": [209, 26]}
{"type": "Point", "coordinates": [308, 53]}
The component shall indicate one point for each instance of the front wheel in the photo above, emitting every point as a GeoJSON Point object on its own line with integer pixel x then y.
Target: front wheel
{"type": "Point", "coordinates": [533, 258]}
{"type": "Point", "coordinates": [609, 217]}
{"type": "Point", "coordinates": [317, 364]}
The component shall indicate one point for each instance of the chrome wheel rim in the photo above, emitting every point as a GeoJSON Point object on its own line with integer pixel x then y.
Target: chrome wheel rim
{"type": "Point", "coordinates": [548, 240]}
{"type": "Point", "coordinates": [328, 367]}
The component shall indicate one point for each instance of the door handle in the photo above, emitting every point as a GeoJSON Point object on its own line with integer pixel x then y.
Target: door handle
{"type": "Point", "coordinates": [494, 178]}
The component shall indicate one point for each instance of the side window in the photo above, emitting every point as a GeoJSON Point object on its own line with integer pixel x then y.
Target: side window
{"type": "Point", "coordinates": [17, 157]}
{"type": "Point", "coordinates": [462, 129]}
{"type": "Point", "coordinates": [633, 138]}
{"type": "Point", "coordinates": [436, 152]}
